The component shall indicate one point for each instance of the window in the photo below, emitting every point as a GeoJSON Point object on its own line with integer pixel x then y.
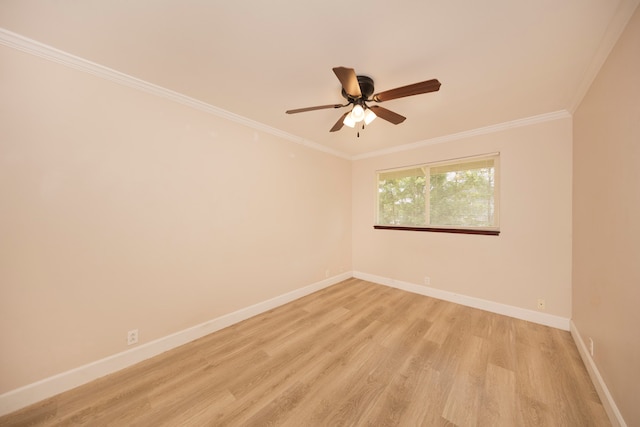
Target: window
{"type": "Point", "coordinates": [459, 196]}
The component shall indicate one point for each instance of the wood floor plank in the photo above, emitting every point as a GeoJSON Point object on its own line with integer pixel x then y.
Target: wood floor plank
{"type": "Point", "coordinates": [337, 363]}
{"type": "Point", "coordinates": [463, 400]}
{"type": "Point", "coordinates": [498, 402]}
{"type": "Point", "coordinates": [394, 405]}
{"type": "Point", "coordinates": [355, 354]}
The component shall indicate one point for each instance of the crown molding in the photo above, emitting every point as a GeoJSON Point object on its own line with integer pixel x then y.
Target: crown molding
{"type": "Point", "coordinates": [33, 47]}
{"type": "Point", "coordinates": [527, 121]}
{"type": "Point", "coordinates": [613, 32]}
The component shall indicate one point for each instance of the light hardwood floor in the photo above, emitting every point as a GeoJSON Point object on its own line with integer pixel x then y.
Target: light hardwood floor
{"type": "Point", "coordinates": [356, 354]}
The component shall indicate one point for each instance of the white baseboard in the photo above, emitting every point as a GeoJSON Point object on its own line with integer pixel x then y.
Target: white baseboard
{"type": "Point", "coordinates": [601, 388]}
{"type": "Point", "coordinates": [494, 307]}
{"type": "Point", "coordinates": [48, 387]}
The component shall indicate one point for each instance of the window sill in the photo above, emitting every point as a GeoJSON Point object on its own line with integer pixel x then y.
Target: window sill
{"type": "Point", "coordinates": [484, 232]}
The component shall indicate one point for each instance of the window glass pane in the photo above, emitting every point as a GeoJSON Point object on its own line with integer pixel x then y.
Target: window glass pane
{"type": "Point", "coordinates": [401, 197]}
{"type": "Point", "coordinates": [462, 195]}
{"type": "Point", "coordinates": [459, 193]}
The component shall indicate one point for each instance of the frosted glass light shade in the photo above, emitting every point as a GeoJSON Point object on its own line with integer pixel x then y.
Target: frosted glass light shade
{"type": "Point", "coordinates": [348, 121]}
{"type": "Point", "coordinates": [369, 116]}
{"type": "Point", "coordinates": [357, 114]}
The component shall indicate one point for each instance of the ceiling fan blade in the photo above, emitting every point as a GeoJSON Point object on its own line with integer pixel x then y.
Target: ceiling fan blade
{"type": "Point", "coordinates": [349, 81]}
{"type": "Point", "coordinates": [388, 115]}
{"type": "Point", "coordinates": [409, 90]}
{"type": "Point", "coordinates": [319, 107]}
{"type": "Point", "coordinates": [339, 123]}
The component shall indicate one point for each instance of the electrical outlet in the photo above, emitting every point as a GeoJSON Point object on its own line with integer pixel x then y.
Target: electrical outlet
{"type": "Point", "coordinates": [542, 305]}
{"type": "Point", "coordinates": [427, 280]}
{"type": "Point", "coordinates": [327, 272]}
{"type": "Point", "coordinates": [132, 337]}
{"type": "Point", "coordinates": [591, 346]}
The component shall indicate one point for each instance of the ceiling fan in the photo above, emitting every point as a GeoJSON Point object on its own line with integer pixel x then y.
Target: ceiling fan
{"type": "Point", "coordinates": [358, 90]}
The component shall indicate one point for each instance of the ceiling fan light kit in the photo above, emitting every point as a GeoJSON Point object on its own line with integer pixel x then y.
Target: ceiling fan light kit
{"type": "Point", "coordinates": [358, 90]}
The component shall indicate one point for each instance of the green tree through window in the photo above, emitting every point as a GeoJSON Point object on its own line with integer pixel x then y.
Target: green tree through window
{"type": "Point", "coordinates": [457, 194]}
{"type": "Point", "coordinates": [402, 200]}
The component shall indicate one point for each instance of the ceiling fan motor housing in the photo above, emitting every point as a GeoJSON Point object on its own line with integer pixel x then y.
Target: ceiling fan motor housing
{"type": "Point", "coordinates": [366, 88]}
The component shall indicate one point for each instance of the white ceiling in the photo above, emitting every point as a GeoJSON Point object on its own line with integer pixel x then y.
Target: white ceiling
{"type": "Point", "coordinates": [497, 60]}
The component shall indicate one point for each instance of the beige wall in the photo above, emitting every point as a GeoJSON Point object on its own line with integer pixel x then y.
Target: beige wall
{"type": "Point", "coordinates": [122, 210]}
{"type": "Point", "coordinates": [530, 259]}
{"type": "Point", "coordinates": [606, 219]}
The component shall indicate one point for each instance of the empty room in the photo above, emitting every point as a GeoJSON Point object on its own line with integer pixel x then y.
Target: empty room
{"type": "Point", "coordinates": [319, 213]}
